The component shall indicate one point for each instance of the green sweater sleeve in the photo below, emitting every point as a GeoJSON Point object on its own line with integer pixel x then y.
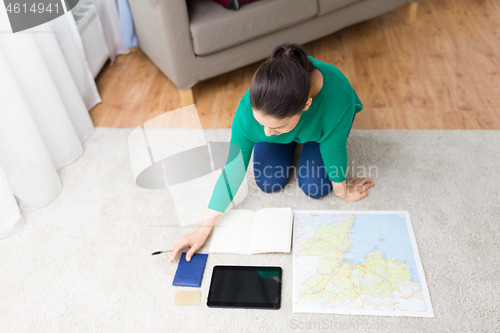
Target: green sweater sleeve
{"type": "Point", "coordinates": [333, 149]}
{"type": "Point", "coordinates": [233, 173]}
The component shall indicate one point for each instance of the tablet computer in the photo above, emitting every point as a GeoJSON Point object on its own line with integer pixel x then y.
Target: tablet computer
{"type": "Point", "coordinates": [245, 287]}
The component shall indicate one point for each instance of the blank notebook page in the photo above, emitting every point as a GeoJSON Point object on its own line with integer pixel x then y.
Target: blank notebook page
{"type": "Point", "coordinates": [232, 232]}
{"type": "Point", "coordinates": [272, 230]}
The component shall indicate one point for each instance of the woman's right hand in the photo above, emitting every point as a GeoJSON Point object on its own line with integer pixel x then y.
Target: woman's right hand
{"type": "Point", "coordinates": [195, 239]}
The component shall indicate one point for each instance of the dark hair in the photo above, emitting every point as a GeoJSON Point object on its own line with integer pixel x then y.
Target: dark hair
{"type": "Point", "coordinates": [281, 85]}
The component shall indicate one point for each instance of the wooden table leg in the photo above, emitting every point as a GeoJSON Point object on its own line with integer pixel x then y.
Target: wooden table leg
{"type": "Point", "coordinates": [186, 96]}
{"type": "Point", "coordinates": [411, 12]}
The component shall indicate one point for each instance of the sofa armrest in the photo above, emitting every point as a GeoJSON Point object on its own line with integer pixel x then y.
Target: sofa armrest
{"type": "Point", "coordinates": [162, 29]}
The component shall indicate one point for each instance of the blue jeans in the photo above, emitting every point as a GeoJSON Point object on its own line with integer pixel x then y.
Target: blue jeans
{"type": "Point", "coordinates": [272, 163]}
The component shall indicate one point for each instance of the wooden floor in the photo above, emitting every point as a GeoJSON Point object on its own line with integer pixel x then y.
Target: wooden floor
{"type": "Point", "coordinates": [441, 72]}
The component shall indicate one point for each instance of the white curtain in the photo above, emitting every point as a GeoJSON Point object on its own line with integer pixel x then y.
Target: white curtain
{"type": "Point", "coordinates": [108, 15]}
{"type": "Point", "coordinates": [66, 33]}
{"type": "Point", "coordinates": [45, 92]}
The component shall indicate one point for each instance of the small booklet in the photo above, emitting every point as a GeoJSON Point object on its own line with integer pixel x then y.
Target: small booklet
{"type": "Point", "coordinates": [190, 273]}
{"type": "Point", "coordinates": [244, 231]}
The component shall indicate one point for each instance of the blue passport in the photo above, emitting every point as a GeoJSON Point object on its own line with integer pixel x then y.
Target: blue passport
{"type": "Point", "coordinates": [189, 274]}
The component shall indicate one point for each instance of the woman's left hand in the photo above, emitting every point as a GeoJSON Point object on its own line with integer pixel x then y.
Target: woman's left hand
{"type": "Point", "coordinates": [353, 190]}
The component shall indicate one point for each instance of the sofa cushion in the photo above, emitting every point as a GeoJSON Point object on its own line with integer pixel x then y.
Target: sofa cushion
{"type": "Point", "coordinates": [328, 6]}
{"type": "Point", "coordinates": [214, 28]}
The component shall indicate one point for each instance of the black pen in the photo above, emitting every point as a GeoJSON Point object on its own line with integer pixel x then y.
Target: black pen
{"type": "Point", "coordinates": [159, 252]}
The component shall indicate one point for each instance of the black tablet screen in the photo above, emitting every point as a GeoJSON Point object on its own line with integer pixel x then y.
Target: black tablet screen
{"type": "Point", "coordinates": [245, 287]}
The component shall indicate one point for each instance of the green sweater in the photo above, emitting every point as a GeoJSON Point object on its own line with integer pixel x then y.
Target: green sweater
{"type": "Point", "coordinates": [327, 121]}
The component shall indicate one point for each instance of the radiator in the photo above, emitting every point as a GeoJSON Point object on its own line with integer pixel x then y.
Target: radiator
{"type": "Point", "coordinates": [90, 28]}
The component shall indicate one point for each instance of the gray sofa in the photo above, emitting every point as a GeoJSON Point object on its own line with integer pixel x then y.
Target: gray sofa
{"type": "Point", "coordinates": [194, 40]}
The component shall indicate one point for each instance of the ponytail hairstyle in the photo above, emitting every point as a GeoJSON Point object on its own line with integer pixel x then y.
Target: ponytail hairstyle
{"type": "Point", "coordinates": [280, 87]}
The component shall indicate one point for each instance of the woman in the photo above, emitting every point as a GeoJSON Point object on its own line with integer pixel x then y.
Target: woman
{"type": "Point", "coordinates": [293, 98]}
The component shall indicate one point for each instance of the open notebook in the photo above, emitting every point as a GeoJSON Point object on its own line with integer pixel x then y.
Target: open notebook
{"type": "Point", "coordinates": [244, 231]}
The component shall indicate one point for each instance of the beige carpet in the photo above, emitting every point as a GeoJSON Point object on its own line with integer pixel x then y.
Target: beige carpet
{"type": "Point", "coordinates": [84, 264]}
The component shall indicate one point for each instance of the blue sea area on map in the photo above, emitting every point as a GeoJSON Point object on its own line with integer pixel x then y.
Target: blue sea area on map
{"type": "Point", "coordinates": [385, 232]}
